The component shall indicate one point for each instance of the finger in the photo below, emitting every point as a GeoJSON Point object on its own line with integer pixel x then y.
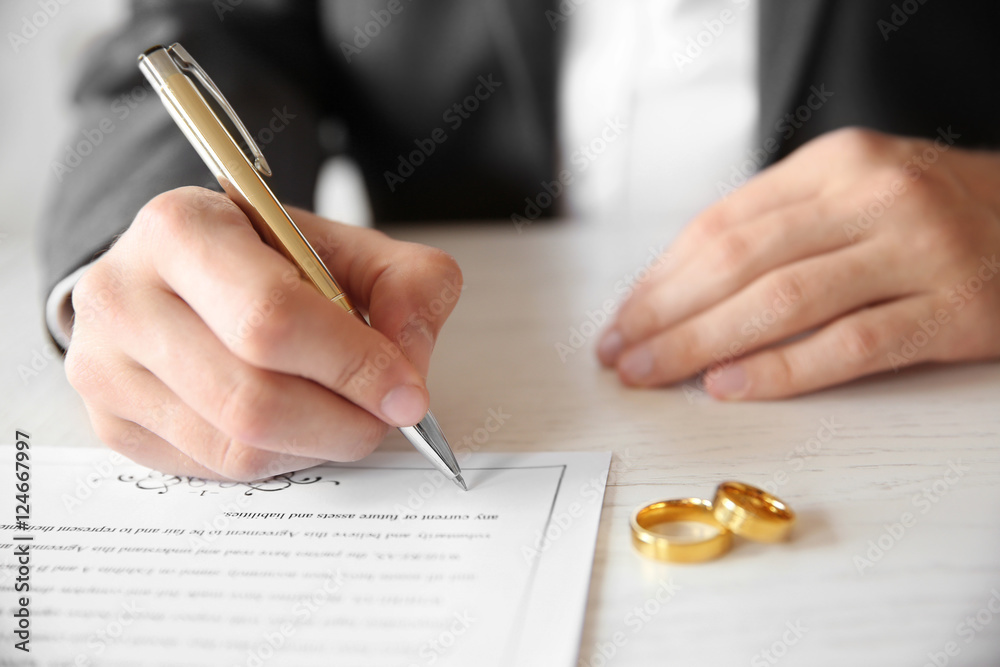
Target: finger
{"type": "Point", "coordinates": [408, 290]}
{"type": "Point", "coordinates": [255, 302]}
{"type": "Point", "coordinates": [797, 179]}
{"type": "Point", "coordinates": [131, 394]}
{"type": "Point", "coordinates": [783, 303]}
{"type": "Point", "coordinates": [802, 176]}
{"type": "Point", "coordinates": [166, 416]}
{"type": "Point", "coordinates": [144, 448]}
{"type": "Point", "coordinates": [253, 408]}
{"type": "Point", "coordinates": [726, 265]}
{"type": "Point", "coordinates": [865, 342]}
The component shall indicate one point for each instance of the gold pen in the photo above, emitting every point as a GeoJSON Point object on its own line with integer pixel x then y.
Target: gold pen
{"type": "Point", "coordinates": [173, 72]}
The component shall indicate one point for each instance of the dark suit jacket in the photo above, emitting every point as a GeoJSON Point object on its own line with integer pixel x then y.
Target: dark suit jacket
{"type": "Point", "coordinates": [909, 67]}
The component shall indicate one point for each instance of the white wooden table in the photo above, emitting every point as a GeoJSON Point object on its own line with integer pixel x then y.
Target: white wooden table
{"type": "Point", "coordinates": [851, 460]}
{"type": "Point", "coordinates": [894, 435]}
{"type": "Point", "coordinates": [888, 439]}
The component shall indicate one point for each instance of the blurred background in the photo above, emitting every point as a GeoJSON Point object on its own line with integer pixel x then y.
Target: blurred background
{"type": "Point", "coordinates": [35, 120]}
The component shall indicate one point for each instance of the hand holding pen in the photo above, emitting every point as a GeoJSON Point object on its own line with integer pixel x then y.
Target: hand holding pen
{"type": "Point", "coordinates": [199, 350]}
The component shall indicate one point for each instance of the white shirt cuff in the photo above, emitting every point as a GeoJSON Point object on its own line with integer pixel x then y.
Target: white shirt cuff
{"type": "Point", "coordinates": [59, 307]}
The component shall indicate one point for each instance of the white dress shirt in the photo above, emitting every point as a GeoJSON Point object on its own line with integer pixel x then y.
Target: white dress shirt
{"type": "Point", "coordinates": [677, 80]}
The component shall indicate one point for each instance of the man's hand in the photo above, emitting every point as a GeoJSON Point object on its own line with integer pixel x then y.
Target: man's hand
{"type": "Point", "coordinates": [884, 250]}
{"type": "Point", "coordinates": [199, 350]}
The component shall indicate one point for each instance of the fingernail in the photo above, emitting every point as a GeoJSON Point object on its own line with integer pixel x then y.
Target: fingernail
{"type": "Point", "coordinates": [404, 405]}
{"type": "Point", "coordinates": [730, 382]}
{"type": "Point", "coordinates": [637, 364]}
{"type": "Point", "coordinates": [610, 346]}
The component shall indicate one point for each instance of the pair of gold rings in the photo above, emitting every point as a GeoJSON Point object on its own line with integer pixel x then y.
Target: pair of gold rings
{"type": "Point", "coordinates": [738, 508]}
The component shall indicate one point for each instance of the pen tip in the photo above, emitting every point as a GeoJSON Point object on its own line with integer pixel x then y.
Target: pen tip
{"type": "Point", "coordinates": [461, 482]}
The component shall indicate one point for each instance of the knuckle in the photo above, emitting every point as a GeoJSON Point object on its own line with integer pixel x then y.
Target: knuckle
{"type": "Point", "coordinates": [732, 250]}
{"type": "Point", "coordinates": [358, 371]}
{"type": "Point", "coordinates": [638, 318]}
{"type": "Point", "coordinates": [686, 343]}
{"type": "Point", "coordinates": [780, 373]}
{"type": "Point", "coordinates": [973, 342]}
{"type": "Point", "coordinates": [708, 225]}
{"type": "Point", "coordinates": [790, 288]}
{"type": "Point", "coordinates": [166, 214]}
{"type": "Point", "coordinates": [946, 241]}
{"type": "Point", "coordinates": [90, 283]}
{"type": "Point", "coordinates": [83, 371]}
{"type": "Point", "coordinates": [98, 292]}
{"type": "Point", "coordinates": [122, 437]}
{"type": "Point", "coordinates": [249, 409]}
{"type": "Point", "coordinates": [860, 343]}
{"type": "Point", "coordinates": [241, 462]}
{"type": "Point", "coordinates": [111, 432]}
{"type": "Point", "coordinates": [858, 142]}
{"type": "Point", "coordinates": [892, 177]}
{"type": "Point", "coordinates": [263, 332]}
{"type": "Point", "coordinates": [927, 193]}
{"type": "Point", "coordinates": [175, 215]}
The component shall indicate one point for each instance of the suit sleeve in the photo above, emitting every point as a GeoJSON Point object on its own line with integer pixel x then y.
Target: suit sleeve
{"type": "Point", "coordinates": [126, 149]}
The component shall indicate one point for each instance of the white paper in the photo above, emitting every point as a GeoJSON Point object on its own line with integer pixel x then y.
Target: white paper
{"type": "Point", "coordinates": [383, 562]}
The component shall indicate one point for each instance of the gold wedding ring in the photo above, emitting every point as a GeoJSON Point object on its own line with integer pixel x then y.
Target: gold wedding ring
{"type": "Point", "coordinates": [752, 513]}
{"type": "Point", "coordinates": [737, 508]}
{"type": "Point", "coordinates": [650, 541]}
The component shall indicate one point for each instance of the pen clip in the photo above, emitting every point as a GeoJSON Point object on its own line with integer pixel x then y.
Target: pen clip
{"type": "Point", "coordinates": [188, 64]}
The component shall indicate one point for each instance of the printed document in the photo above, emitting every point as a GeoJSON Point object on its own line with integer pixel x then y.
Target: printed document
{"type": "Point", "coordinates": [380, 562]}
